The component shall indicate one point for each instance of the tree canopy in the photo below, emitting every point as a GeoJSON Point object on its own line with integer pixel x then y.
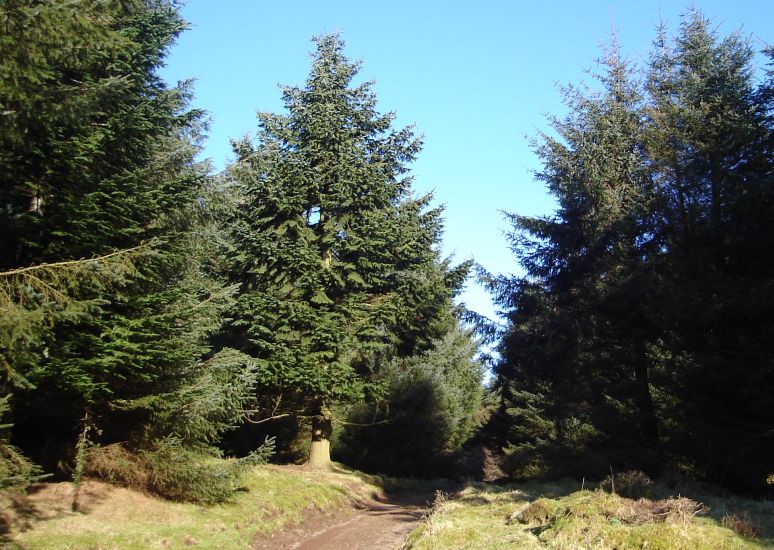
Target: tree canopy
{"type": "Point", "coordinates": [337, 259]}
{"type": "Point", "coordinates": [106, 295]}
{"type": "Point", "coordinates": [639, 336]}
{"type": "Point", "coordinates": [148, 306]}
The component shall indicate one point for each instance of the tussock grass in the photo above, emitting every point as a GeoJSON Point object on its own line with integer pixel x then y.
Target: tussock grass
{"type": "Point", "coordinates": [558, 515]}
{"type": "Point", "coordinates": [119, 518]}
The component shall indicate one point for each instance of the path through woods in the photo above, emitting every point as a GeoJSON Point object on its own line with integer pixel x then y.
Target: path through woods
{"type": "Point", "coordinates": [381, 525]}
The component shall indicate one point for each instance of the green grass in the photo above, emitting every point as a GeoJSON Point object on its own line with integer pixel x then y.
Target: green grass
{"type": "Point", "coordinates": [525, 516]}
{"type": "Point", "coordinates": [560, 516]}
{"type": "Point", "coordinates": [123, 519]}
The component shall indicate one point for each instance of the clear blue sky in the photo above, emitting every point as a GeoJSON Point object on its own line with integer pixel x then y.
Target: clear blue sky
{"type": "Point", "coordinates": [476, 79]}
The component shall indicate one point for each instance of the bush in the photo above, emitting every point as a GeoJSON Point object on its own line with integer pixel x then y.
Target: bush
{"type": "Point", "coordinates": [633, 484]}
{"type": "Point", "coordinates": [174, 471]}
{"type": "Point", "coordinates": [16, 470]}
{"type": "Point", "coordinates": [427, 414]}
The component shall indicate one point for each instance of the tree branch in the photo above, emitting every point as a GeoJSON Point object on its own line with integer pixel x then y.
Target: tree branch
{"type": "Point", "coordinates": [68, 263]}
{"type": "Point", "coordinates": [275, 417]}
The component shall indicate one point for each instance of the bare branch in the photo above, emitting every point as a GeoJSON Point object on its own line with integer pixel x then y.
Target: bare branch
{"type": "Point", "coordinates": [275, 417]}
{"type": "Point", "coordinates": [345, 423]}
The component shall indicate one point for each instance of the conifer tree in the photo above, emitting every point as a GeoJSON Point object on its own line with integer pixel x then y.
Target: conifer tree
{"type": "Point", "coordinates": [559, 351]}
{"type": "Point", "coordinates": [709, 145]}
{"type": "Point", "coordinates": [336, 258]}
{"type": "Point", "coordinates": [104, 268]}
{"type": "Point", "coordinates": [426, 415]}
{"type": "Point", "coordinates": [631, 341]}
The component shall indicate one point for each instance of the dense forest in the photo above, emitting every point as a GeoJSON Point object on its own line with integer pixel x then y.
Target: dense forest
{"type": "Point", "coordinates": [166, 327]}
{"type": "Point", "coordinates": [640, 335]}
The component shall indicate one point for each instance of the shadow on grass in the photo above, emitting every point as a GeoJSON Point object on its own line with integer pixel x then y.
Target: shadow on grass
{"type": "Point", "coordinates": [483, 494]}
{"type": "Point", "coordinates": [745, 515]}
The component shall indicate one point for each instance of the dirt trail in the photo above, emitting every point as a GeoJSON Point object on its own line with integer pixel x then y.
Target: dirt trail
{"type": "Point", "coordinates": [382, 525]}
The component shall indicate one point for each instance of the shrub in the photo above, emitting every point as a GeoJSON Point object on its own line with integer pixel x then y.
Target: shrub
{"type": "Point", "coordinates": [16, 470]}
{"type": "Point", "coordinates": [633, 484]}
{"type": "Point", "coordinates": [174, 471]}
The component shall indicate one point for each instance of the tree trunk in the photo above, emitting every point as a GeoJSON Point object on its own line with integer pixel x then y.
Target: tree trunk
{"type": "Point", "coordinates": [647, 412]}
{"type": "Point", "coordinates": [322, 427]}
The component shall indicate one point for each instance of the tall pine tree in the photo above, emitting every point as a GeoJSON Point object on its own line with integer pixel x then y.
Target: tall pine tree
{"type": "Point", "coordinates": [560, 352]}
{"type": "Point", "coordinates": [337, 260]}
{"type": "Point", "coordinates": [709, 146]}
{"type": "Point", "coordinates": [640, 335]}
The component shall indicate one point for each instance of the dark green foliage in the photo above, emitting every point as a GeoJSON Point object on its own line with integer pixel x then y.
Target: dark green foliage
{"type": "Point", "coordinates": [561, 352]}
{"type": "Point", "coordinates": [640, 336]}
{"type": "Point", "coordinates": [180, 473]}
{"type": "Point", "coordinates": [336, 260]}
{"type": "Point", "coordinates": [16, 470]}
{"type": "Point", "coordinates": [83, 116]}
{"type": "Point", "coordinates": [425, 417]}
{"type": "Point", "coordinates": [716, 203]}
{"type": "Point", "coordinates": [109, 262]}
{"type": "Point", "coordinates": [173, 470]}
{"type": "Point", "coordinates": [35, 298]}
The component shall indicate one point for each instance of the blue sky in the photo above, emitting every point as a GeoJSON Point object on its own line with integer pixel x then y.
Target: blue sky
{"type": "Point", "coordinates": [477, 80]}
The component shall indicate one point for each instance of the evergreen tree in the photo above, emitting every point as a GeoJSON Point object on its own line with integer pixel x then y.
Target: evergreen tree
{"type": "Point", "coordinates": [104, 251]}
{"type": "Point", "coordinates": [639, 337]}
{"type": "Point", "coordinates": [433, 396]}
{"type": "Point", "coordinates": [337, 260]}
{"type": "Point", "coordinates": [560, 352]}
{"type": "Point", "coordinates": [709, 145]}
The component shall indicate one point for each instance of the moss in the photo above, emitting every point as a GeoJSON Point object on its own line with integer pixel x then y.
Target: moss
{"type": "Point", "coordinates": [492, 517]}
{"type": "Point", "coordinates": [541, 512]}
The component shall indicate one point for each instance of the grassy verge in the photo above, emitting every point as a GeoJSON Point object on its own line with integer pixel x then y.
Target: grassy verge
{"type": "Point", "coordinates": [560, 516]}
{"type": "Point", "coordinates": [112, 517]}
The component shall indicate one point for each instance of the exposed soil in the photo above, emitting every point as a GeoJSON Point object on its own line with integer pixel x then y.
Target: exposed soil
{"type": "Point", "coordinates": [382, 524]}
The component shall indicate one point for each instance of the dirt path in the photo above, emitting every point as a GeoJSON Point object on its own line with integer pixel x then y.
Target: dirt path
{"type": "Point", "coordinates": [382, 525]}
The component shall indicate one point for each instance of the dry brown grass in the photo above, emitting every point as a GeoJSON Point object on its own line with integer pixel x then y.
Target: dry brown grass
{"type": "Point", "coordinates": [632, 484]}
{"type": "Point", "coordinates": [115, 463]}
{"type": "Point", "coordinates": [639, 512]}
{"type": "Point", "coordinates": [742, 525]}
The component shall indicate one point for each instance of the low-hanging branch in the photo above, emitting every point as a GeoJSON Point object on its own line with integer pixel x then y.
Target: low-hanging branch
{"type": "Point", "coordinates": [76, 263]}
{"type": "Point", "coordinates": [47, 278]}
{"type": "Point", "coordinates": [362, 424]}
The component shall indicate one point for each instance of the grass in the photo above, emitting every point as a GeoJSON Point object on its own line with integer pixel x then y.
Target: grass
{"type": "Point", "coordinates": [118, 518]}
{"type": "Point", "coordinates": [560, 516]}
{"type": "Point", "coordinates": [480, 516]}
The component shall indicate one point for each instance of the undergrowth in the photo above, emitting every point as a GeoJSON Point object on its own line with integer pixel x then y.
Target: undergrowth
{"type": "Point", "coordinates": [115, 517]}
{"type": "Point", "coordinates": [174, 471]}
{"type": "Point", "coordinates": [560, 515]}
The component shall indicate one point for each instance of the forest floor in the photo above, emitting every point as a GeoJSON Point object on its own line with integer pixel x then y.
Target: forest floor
{"type": "Point", "coordinates": [280, 507]}
{"type": "Point", "coordinates": [383, 524]}
{"type": "Point", "coordinates": [291, 507]}
{"type": "Point", "coordinates": [565, 515]}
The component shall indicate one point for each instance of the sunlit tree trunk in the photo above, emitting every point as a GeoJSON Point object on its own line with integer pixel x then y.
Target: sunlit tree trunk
{"type": "Point", "coordinates": [322, 427]}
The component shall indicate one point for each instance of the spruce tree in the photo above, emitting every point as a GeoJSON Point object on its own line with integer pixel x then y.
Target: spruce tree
{"type": "Point", "coordinates": [709, 145]}
{"type": "Point", "coordinates": [639, 337]}
{"type": "Point", "coordinates": [106, 271]}
{"type": "Point", "coordinates": [433, 396]}
{"type": "Point", "coordinates": [560, 352]}
{"type": "Point", "coordinates": [337, 260]}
